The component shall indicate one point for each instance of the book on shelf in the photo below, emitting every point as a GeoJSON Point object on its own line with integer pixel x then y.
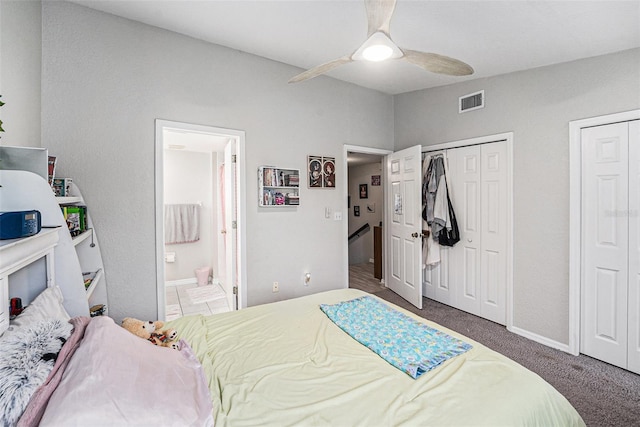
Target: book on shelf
{"type": "Point", "coordinates": [51, 165]}
{"type": "Point", "coordinates": [61, 186]}
{"type": "Point", "coordinates": [75, 217]}
{"type": "Point", "coordinates": [88, 277]}
{"type": "Point", "coordinates": [272, 177]}
{"type": "Point", "coordinates": [292, 180]}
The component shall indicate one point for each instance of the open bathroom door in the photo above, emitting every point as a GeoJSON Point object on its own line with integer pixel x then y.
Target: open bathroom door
{"type": "Point", "coordinates": [231, 232]}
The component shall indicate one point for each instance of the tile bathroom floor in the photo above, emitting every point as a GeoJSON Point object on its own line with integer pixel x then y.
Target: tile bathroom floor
{"type": "Point", "coordinates": [178, 303]}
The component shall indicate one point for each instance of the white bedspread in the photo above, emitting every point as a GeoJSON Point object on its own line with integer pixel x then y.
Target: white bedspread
{"type": "Point", "coordinates": [287, 364]}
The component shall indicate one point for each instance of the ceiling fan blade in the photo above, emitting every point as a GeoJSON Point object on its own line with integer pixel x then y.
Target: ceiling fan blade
{"type": "Point", "coordinates": [321, 69]}
{"type": "Point", "coordinates": [379, 14]}
{"type": "Point", "coordinates": [437, 63]}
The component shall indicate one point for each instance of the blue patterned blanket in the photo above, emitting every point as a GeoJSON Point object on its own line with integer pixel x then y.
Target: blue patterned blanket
{"type": "Point", "coordinates": [405, 343]}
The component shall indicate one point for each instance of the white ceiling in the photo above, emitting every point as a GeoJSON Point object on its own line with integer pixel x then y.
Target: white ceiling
{"type": "Point", "coordinates": [494, 37]}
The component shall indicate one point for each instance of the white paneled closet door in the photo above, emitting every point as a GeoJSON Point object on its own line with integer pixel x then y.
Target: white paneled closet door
{"type": "Point", "coordinates": [473, 274]}
{"type": "Point", "coordinates": [478, 266]}
{"type": "Point", "coordinates": [494, 210]}
{"type": "Point", "coordinates": [465, 188]}
{"type": "Point", "coordinates": [610, 256]}
{"type": "Point", "coordinates": [633, 361]}
{"type": "Point", "coordinates": [436, 277]}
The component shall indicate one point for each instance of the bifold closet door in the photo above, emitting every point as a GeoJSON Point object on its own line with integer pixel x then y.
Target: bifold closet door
{"type": "Point", "coordinates": [436, 277]}
{"type": "Point", "coordinates": [494, 233]}
{"type": "Point", "coordinates": [465, 188]}
{"type": "Point", "coordinates": [477, 264]}
{"type": "Point", "coordinates": [633, 359]}
{"type": "Point", "coordinates": [605, 243]}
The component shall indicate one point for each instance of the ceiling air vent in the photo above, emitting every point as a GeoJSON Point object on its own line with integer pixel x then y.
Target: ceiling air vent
{"type": "Point", "coordinates": [471, 102]}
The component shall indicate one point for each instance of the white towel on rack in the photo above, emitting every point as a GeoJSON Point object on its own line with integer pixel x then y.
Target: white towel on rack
{"type": "Point", "coordinates": [181, 223]}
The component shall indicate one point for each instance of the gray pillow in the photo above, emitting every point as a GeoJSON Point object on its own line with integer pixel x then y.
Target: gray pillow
{"type": "Point", "coordinates": [27, 357]}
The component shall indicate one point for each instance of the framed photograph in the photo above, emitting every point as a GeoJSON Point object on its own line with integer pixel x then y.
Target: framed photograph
{"type": "Point", "coordinates": [315, 171]}
{"type": "Point", "coordinates": [371, 207]}
{"type": "Point", "coordinates": [364, 191]}
{"type": "Point", "coordinates": [328, 172]}
{"type": "Point", "coordinates": [321, 171]}
{"type": "Point", "coordinates": [356, 211]}
{"type": "Point", "coordinates": [375, 180]}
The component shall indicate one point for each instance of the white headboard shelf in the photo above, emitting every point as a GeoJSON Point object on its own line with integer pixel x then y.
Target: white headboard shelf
{"type": "Point", "coordinates": [22, 190]}
{"type": "Point", "coordinates": [16, 254]}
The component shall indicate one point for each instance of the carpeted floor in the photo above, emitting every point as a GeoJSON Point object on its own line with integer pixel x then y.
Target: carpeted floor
{"type": "Point", "coordinates": [603, 394]}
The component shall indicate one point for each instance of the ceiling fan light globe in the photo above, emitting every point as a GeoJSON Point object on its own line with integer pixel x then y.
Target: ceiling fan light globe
{"type": "Point", "coordinates": [377, 53]}
{"type": "Point", "coordinates": [378, 47]}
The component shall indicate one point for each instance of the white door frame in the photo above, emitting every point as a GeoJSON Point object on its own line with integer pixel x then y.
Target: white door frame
{"type": "Point", "coordinates": [575, 220]}
{"type": "Point", "coordinates": [508, 137]}
{"type": "Point", "coordinates": [345, 206]}
{"type": "Point", "coordinates": [239, 135]}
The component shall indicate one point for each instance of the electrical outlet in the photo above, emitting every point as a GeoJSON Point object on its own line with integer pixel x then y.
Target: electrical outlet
{"type": "Point", "coordinates": [275, 287]}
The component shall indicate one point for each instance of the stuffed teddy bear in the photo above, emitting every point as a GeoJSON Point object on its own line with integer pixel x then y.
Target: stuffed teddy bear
{"type": "Point", "coordinates": [151, 331]}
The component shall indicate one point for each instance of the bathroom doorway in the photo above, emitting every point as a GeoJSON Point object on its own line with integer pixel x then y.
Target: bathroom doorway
{"type": "Point", "coordinates": [199, 219]}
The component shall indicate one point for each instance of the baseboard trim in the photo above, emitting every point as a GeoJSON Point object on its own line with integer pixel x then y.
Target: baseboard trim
{"type": "Point", "coordinates": [540, 339]}
{"type": "Point", "coordinates": [187, 281]}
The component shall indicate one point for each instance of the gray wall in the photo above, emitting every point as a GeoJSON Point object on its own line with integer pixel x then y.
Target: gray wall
{"type": "Point", "coordinates": [106, 79]}
{"type": "Point", "coordinates": [20, 60]}
{"type": "Point", "coordinates": [537, 106]}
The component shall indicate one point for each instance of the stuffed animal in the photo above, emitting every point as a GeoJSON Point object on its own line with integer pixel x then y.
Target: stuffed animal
{"type": "Point", "coordinates": [151, 331]}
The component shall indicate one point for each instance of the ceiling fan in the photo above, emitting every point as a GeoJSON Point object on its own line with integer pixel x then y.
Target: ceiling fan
{"type": "Point", "coordinates": [379, 47]}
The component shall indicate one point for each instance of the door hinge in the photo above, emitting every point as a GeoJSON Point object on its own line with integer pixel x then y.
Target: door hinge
{"type": "Point", "coordinates": [234, 158]}
{"type": "Point", "coordinates": [235, 290]}
{"type": "Point", "coordinates": [234, 224]}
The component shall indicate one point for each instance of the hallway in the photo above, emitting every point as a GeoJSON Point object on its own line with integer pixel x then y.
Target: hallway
{"type": "Point", "coordinates": [361, 277]}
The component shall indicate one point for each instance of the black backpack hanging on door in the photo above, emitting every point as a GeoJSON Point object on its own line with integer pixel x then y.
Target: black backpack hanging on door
{"type": "Point", "coordinates": [449, 237]}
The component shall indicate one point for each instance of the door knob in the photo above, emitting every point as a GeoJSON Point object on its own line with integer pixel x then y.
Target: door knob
{"type": "Point", "coordinates": [469, 240]}
{"type": "Point", "coordinates": [415, 235]}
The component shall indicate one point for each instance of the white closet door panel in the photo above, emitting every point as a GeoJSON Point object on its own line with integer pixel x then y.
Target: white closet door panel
{"type": "Point", "coordinates": [444, 288]}
{"type": "Point", "coordinates": [429, 278]}
{"type": "Point", "coordinates": [633, 359]}
{"type": "Point", "coordinates": [605, 240]}
{"type": "Point", "coordinates": [436, 280]}
{"type": "Point", "coordinates": [493, 236]}
{"type": "Point", "coordinates": [464, 185]}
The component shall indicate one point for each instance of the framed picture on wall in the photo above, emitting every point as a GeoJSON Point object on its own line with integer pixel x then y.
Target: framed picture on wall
{"type": "Point", "coordinates": [371, 207]}
{"type": "Point", "coordinates": [364, 191]}
{"type": "Point", "coordinates": [375, 180]}
{"type": "Point", "coordinates": [322, 171]}
{"type": "Point", "coordinates": [356, 211]}
{"type": "Point", "coordinates": [328, 172]}
{"type": "Point", "coordinates": [315, 171]}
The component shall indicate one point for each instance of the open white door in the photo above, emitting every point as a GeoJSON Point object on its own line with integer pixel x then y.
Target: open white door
{"type": "Point", "coordinates": [231, 233]}
{"type": "Point", "coordinates": [403, 244]}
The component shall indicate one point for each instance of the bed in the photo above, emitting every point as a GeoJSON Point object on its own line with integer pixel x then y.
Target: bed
{"type": "Point", "coordinates": [283, 364]}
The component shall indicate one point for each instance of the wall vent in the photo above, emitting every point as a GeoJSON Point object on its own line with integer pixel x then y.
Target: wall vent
{"type": "Point", "coordinates": [471, 102]}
